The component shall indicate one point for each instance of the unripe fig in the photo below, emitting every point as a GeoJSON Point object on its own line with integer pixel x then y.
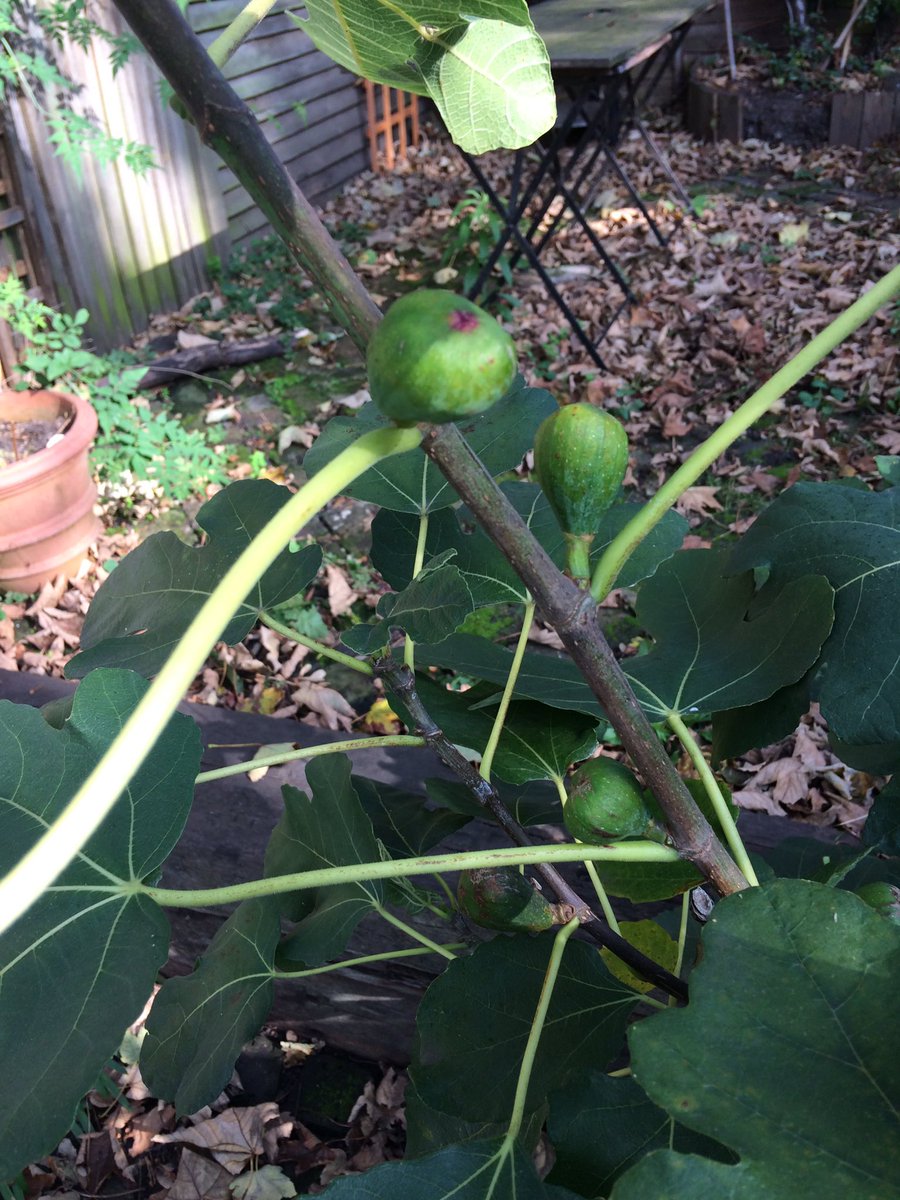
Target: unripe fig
{"type": "Point", "coordinates": [438, 357]}
{"type": "Point", "coordinates": [883, 897]}
{"type": "Point", "coordinates": [580, 459]}
{"type": "Point", "coordinates": [606, 803]}
{"type": "Point", "coordinates": [502, 898]}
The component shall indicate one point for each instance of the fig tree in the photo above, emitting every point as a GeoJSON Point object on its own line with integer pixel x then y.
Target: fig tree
{"type": "Point", "coordinates": [580, 459]}
{"type": "Point", "coordinates": [438, 357]}
{"type": "Point", "coordinates": [502, 898]}
{"type": "Point", "coordinates": [606, 803]}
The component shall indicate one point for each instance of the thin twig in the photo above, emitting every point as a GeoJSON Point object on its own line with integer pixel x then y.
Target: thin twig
{"type": "Point", "coordinates": [402, 681]}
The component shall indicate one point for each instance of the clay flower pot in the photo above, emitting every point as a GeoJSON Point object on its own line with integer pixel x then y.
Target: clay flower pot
{"type": "Point", "coordinates": [47, 498]}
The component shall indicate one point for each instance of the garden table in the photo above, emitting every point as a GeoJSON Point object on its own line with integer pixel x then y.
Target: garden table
{"type": "Point", "coordinates": [605, 56]}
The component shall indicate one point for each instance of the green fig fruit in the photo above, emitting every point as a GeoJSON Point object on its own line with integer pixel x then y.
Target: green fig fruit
{"type": "Point", "coordinates": [580, 459]}
{"type": "Point", "coordinates": [438, 357]}
{"type": "Point", "coordinates": [606, 803]}
{"type": "Point", "coordinates": [502, 898]}
{"type": "Point", "coordinates": [883, 897]}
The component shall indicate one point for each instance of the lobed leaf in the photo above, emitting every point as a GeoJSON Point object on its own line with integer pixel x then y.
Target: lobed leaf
{"type": "Point", "coordinates": [482, 64]}
{"type": "Point", "coordinates": [78, 967]}
{"type": "Point", "coordinates": [718, 645]}
{"type": "Point", "coordinates": [199, 1022]}
{"type": "Point", "coordinates": [783, 1054]}
{"type": "Point", "coordinates": [147, 603]}
{"type": "Point", "coordinates": [410, 482]}
{"type": "Point", "coordinates": [328, 829]}
{"type": "Point", "coordinates": [850, 536]}
{"type": "Point", "coordinates": [475, 1019]}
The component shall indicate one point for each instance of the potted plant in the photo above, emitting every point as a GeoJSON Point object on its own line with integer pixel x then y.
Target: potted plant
{"type": "Point", "coordinates": [47, 494]}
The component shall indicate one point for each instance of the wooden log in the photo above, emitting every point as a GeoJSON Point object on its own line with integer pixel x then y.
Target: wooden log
{"type": "Point", "coordinates": [366, 1011]}
{"type": "Point", "coordinates": [208, 358]}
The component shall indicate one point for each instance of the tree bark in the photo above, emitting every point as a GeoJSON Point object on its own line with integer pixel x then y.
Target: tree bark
{"type": "Point", "coordinates": [228, 125]}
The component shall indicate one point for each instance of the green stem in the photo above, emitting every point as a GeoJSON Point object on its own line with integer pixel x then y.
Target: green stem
{"type": "Point", "coordinates": [515, 666]}
{"type": "Point", "coordinates": [595, 879]}
{"type": "Point", "coordinates": [59, 845]}
{"type": "Point", "coordinates": [537, 1028]}
{"type": "Point", "coordinates": [233, 35]}
{"type": "Point", "coordinates": [383, 956]}
{"type": "Point", "coordinates": [578, 557]}
{"type": "Point", "coordinates": [682, 934]}
{"type": "Point", "coordinates": [624, 544]}
{"type": "Point", "coordinates": [507, 856]}
{"type": "Point", "coordinates": [409, 646]}
{"type": "Point", "coordinates": [355, 664]}
{"type": "Point", "coordinates": [446, 889]}
{"type": "Point", "coordinates": [275, 760]}
{"type": "Point", "coordinates": [413, 933]}
{"type": "Point", "coordinates": [718, 801]}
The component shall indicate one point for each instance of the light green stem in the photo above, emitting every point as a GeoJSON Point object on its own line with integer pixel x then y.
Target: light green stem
{"type": "Point", "coordinates": [121, 762]}
{"type": "Point", "coordinates": [625, 542]}
{"type": "Point", "coordinates": [275, 760]}
{"type": "Point", "coordinates": [409, 646]}
{"type": "Point", "coordinates": [515, 666]}
{"type": "Point", "coordinates": [413, 933]}
{"type": "Point", "coordinates": [507, 856]}
{"type": "Point", "coordinates": [537, 1028]}
{"type": "Point", "coordinates": [682, 938]}
{"type": "Point", "coordinates": [355, 664]}
{"type": "Point", "coordinates": [233, 35]}
{"type": "Point", "coordinates": [595, 879]}
{"type": "Point", "coordinates": [363, 960]}
{"type": "Point", "coordinates": [718, 801]}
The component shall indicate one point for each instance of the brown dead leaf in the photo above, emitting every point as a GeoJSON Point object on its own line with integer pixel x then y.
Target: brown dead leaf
{"type": "Point", "coordinates": [199, 1178]}
{"type": "Point", "coordinates": [324, 703]}
{"type": "Point", "coordinates": [341, 595]}
{"type": "Point", "coordinates": [234, 1137]}
{"type": "Point", "coordinates": [700, 500]}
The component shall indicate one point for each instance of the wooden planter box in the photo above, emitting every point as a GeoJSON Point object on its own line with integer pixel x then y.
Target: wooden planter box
{"type": "Point", "coordinates": [838, 119]}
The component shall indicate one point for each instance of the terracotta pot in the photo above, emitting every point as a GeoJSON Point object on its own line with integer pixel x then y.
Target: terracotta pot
{"type": "Point", "coordinates": [47, 499]}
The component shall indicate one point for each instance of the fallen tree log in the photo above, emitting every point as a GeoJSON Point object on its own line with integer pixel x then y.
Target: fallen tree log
{"type": "Point", "coordinates": [207, 358]}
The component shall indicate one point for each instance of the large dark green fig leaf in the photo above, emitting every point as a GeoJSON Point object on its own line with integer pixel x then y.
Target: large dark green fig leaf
{"type": "Point", "coordinates": [599, 1126]}
{"type": "Point", "coordinates": [549, 677]}
{"type": "Point", "coordinates": [79, 966]}
{"type": "Point", "coordinates": [786, 1053]}
{"type": "Point", "coordinates": [537, 742]}
{"type": "Point", "coordinates": [410, 482]}
{"type": "Point", "coordinates": [711, 652]}
{"type": "Point", "coordinates": [535, 803]}
{"type": "Point", "coordinates": [490, 1170]}
{"type": "Point", "coordinates": [486, 52]}
{"type": "Point", "coordinates": [199, 1022]}
{"type": "Point", "coordinates": [429, 609]}
{"type": "Point", "coordinates": [491, 578]}
{"type": "Point", "coordinates": [852, 537]}
{"type": "Point", "coordinates": [328, 829]}
{"type": "Point", "coordinates": [147, 603]}
{"type": "Point", "coordinates": [475, 1018]}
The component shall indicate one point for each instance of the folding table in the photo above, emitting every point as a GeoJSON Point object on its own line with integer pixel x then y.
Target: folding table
{"type": "Point", "coordinates": [606, 56]}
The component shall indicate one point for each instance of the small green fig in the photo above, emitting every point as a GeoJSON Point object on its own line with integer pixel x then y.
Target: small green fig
{"type": "Point", "coordinates": [883, 897]}
{"type": "Point", "coordinates": [606, 803]}
{"type": "Point", "coordinates": [580, 459]}
{"type": "Point", "coordinates": [502, 898]}
{"type": "Point", "coordinates": [438, 357]}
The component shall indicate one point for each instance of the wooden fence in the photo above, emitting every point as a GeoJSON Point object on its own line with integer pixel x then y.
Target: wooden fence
{"type": "Point", "coordinates": [125, 247]}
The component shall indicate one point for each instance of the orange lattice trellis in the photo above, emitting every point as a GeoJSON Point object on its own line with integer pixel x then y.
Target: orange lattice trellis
{"type": "Point", "coordinates": [393, 125]}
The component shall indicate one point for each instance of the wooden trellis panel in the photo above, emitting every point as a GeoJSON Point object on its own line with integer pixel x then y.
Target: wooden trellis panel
{"type": "Point", "coordinates": [393, 125]}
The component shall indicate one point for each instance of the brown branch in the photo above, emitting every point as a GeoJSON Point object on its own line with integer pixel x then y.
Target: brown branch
{"type": "Point", "coordinates": [208, 358]}
{"type": "Point", "coordinates": [573, 614]}
{"type": "Point", "coordinates": [402, 681]}
{"type": "Point", "coordinates": [229, 126]}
